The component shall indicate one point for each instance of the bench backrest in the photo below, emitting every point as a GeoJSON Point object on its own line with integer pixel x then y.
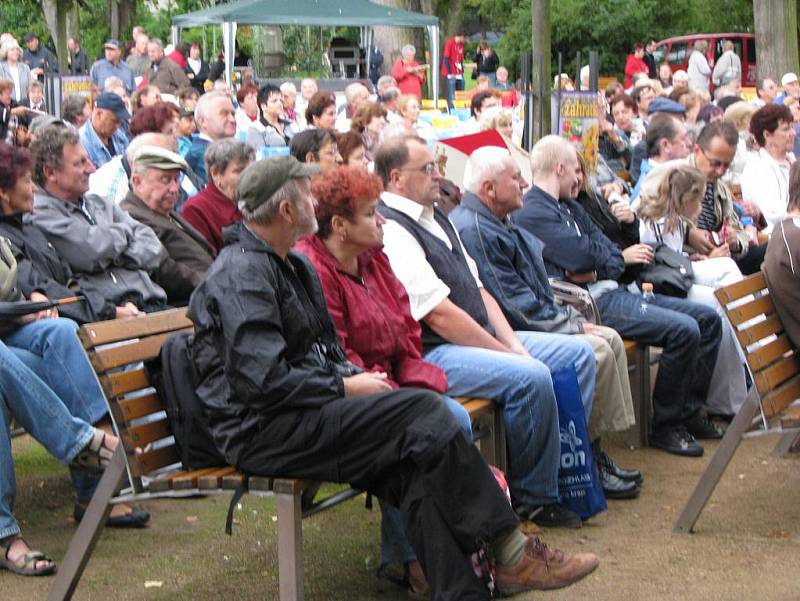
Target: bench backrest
{"type": "Point", "coordinates": [770, 355]}
{"type": "Point", "coordinates": [116, 350]}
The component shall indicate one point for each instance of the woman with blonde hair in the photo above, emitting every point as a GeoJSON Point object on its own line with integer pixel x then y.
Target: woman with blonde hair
{"type": "Point", "coordinates": [498, 118]}
{"type": "Point", "coordinates": [738, 114]}
{"type": "Point", "coordinates": [667, 218]}
{"type": "Point", "coordinates": [408, 109]}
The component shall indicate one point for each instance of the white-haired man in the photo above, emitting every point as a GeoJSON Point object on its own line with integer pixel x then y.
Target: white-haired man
{"type": "Point", "coordinates": [216, 119]}
{"type": "Point", "coordinates": [280, 398]}
{"type": "Point", "coordinates": [511, 267]}
{"type": "Point", "coordinates": [356, 95]}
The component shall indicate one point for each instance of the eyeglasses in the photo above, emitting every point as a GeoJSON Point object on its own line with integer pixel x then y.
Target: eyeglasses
{"type": "Point", "coordinates": [427, 168]}
{"type": "Point", "coordinates": [716, 163]}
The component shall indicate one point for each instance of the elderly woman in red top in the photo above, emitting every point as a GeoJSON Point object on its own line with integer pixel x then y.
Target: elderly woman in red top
{"type": "Point", "coordinates": [408, 73]}
{"type": "Point", "coordinates": [371, 312]}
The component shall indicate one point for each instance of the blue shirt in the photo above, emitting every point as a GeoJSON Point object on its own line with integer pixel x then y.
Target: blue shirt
{"type": "Point", "coordinates": [103, 69]}
{"type": "Point", "coordinates": [97, 151]}
{"type": "Point", "coordinates": [645, 168]}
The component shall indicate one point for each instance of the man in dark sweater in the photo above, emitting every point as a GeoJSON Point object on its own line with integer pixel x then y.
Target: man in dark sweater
{"type": "Point", "coordinates": [577, 251]}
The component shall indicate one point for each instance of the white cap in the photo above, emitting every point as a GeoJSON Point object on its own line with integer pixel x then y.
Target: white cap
{"type": "Point", "coordinates": [788, 78]}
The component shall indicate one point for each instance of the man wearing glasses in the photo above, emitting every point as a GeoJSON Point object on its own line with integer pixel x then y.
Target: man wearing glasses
{"type": "Point", "coordinates": [465, 332]}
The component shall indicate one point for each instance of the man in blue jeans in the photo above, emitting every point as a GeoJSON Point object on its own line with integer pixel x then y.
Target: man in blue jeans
{"type": "Point", "coordinates": [577, 251]}
{"type": "Point", "coordinates": [466, 334]}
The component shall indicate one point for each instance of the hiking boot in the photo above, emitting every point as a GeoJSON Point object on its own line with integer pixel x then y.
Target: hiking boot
{"type": "Point", "coordinates": [615, 487]}
{"type": "Point", "coordinates": [552, 515]}
{"type": "Point", "coordinates": [542, 568]}
{"type": "Point", "coordinates": [677, 441]}
{"type": "Point", "coordinates": [703, 428]}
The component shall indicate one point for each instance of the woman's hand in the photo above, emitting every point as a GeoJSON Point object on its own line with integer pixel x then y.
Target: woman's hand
{"type": "Point", "coordinates": [366, 383]}
{"type": "Point", "coordinates": [46, 314]}
{"type": "Point", "coordinates": [638, 254]}
{"type": "Point", "coordinates": [622, 212]}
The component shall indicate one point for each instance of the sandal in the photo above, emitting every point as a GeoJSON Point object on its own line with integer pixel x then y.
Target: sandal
{"type": "Point", "coordinates": [26, 564]}
{"type": "Point", "coordinates": [96, 455]}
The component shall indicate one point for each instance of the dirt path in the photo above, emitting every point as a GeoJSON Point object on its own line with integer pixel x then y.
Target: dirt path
{"type": "Point", "coordinates": [747, 544]}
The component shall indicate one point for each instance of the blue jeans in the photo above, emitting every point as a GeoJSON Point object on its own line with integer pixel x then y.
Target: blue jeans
{"type": "Point", "coordinates": [395, 547]}
{"type": "Point", "coordinates": [523, 387]}
{"type": "Point", "coordinates": [453, 85]}
{"type": "Point", "coordinates": [37, 408]}
{"type": "Point", "coordinates": [50, 348]}
{"type": "Point", "coordinates": [689, 334]}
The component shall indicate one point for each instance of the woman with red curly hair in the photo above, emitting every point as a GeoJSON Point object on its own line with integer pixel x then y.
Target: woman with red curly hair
{"type": "Point", "coordinates": [371, 312]}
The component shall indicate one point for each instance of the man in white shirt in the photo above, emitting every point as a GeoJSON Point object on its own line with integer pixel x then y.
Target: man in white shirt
{"type": "Point", "coordinates": [466, 334]}
{"type": "Point", "coordinates": [357, 95]}
{"type": "Point", "coordinates": [480, 102]}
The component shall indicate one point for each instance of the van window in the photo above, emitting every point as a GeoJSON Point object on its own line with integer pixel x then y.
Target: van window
{"type": "Point", "coordinates": [658, 54]}
{"type": "Point", "coordinates": [737, 47]}
{"type": "Point", "coordinates": [751, 51]}
{"type": "Point", "coordinates": [677, 53]}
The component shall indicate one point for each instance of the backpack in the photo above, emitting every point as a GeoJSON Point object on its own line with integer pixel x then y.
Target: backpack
{"type": "Point", "coordinates": [175, 378]}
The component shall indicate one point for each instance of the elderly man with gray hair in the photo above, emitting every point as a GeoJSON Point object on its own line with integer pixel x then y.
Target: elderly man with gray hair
{"type": "Point", "coordinates": [408, 73]}
{"type": "Point", "coordinates": [281, 398]}
{"type": "Point", "coordinates": [357, 95]}
{"type": "Point", "coordinates": [511, 266]}
{"type": "Point", "coordinates": [216, 120]}
{"type": "Point", "coordinates": [155, 187]}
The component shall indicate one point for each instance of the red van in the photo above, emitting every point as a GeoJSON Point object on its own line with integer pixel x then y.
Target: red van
{"type": "Point", "coordinates": [676, 51]}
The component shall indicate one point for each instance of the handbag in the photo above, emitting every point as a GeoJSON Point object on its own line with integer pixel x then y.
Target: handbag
{"type": "Point", "coordinates": [670, 272]}
{"type": "Point", "coordinates": [576, 297]}
{"type": "Point", "coordinates": [578, 479]}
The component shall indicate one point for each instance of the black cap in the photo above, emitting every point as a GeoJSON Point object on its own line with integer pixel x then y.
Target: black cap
{"type": "Point", "coordinates": [31, 36]}
{"type": "Point", "coordinates": [112, 102]}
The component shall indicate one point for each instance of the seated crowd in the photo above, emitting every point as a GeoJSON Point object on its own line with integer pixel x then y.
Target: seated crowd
{"type": "Point", "coordinates": [340, 310]}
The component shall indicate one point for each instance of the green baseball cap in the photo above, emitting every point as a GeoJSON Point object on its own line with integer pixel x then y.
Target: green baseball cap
{"type": "Point", "coordinates": [158, 158]}
{"type": "Point", "coordinates": [263, 178]}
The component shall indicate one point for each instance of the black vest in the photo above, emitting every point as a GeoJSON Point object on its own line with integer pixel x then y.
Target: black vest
{"type": "Point", "coordinates": [450, 266]}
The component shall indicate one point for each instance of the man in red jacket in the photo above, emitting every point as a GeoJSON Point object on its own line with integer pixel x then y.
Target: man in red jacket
{"type": "Point", "coordinates": [635, 64]}
{"type": "Point", "coordinates": [453, 66]}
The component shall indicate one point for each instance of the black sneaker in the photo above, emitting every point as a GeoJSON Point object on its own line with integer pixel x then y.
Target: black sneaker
{"type": "Point", "coordinates": [615, 487]}
{"type": "Point", "coordinates": [703, 428]}
{"type": "Point", "coordinates": [677, 441]}
{"type": "Point", "coordinates": [553, 515]}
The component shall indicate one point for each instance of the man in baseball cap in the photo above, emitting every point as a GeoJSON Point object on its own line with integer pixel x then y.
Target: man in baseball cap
{"type": "Point", "coordinates": [112, 66]}
{"type": "Point", "coordinates": [103, 135]}
{"type": "Point", "coordinates": [791, 87]}
{"type": "Point", "coordinates": [38, 58]}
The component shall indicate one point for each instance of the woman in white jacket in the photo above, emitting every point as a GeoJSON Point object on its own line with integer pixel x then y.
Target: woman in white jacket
{"type": "Point", "coordinates": [666, 219]}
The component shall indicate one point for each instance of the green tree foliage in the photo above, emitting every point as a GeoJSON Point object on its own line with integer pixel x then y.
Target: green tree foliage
{"type": "Point", "coordinates": [611, 26]}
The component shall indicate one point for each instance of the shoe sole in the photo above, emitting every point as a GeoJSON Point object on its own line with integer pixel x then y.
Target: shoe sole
{"type": "Point", "coordinates": [620, 496]}
{"type": "Point", "coordinates": [508, 592]}
{"type": "Point", "coordinates": [681, 452]}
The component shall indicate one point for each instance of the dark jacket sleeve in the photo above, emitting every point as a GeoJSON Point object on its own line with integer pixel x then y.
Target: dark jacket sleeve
{"type": "Point", "coordinates": [564, 249]}
{"type": "Point", "coordinates": [254, 350]}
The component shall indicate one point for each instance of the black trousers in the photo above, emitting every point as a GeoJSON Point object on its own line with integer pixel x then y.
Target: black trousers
{"type": "Point", "coordinates": [407, 448]}
{"type": "Point", "coordinates": [751, 262]}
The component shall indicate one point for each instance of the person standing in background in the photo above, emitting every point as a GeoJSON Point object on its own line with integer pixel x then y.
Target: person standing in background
{"type": "Point", "coordinates": [486, 62]}
{"type": "Point", "coordinates": [453, 67]}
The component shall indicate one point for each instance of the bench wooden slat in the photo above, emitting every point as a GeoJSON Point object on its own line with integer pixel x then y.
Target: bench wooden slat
{"type": "Point", "coordinates": [768, 327]}
{"type": "Point", "coordinates": [777, 374]}
{"type": "Point", "coordinates": [232, 481]}
{"type": "Point", "coordinates": [139, 436]}
{"type": "Point", "coordinates": [289, 485]}
{"type": "Point", "coordinates": [105, 332]}
{"type": "Point", "coordinates": [791, 418]}
{"type": "Point", "coordinates": [188, 480]}
{"type": "Point", "coordinates": [142, 350]}
{"type": "Point", "coordinates": [131, 409]}
{"type": "Point", "coordinates": [143, 464]}
{"type": "Point", "coordinates": [214, 479]}
{"type": "Point", "coordinates": [759, 359]}
{"type": "Point", "coordinates": [477, 406]}
{"type": "Point", "coordinates": [777, 400]}
{"type": "Point", "coordinates": [749, 285]}
{"type": "Point", "coordinates": [761, 306]}
{"type": "Point", "coordinates": [631, 346]}
{"type": "Point", "coordinates": [164, 481]}
{"type": "Point", "coordinates": [124, 382]}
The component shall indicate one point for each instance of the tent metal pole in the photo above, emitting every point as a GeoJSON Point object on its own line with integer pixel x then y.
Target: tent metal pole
{"type": "Point", "coordinates": [228, 41]}
{"type": "Point", "coordinates": [175, 34]}
{"type": "Point", "coordinates": [433, 34]}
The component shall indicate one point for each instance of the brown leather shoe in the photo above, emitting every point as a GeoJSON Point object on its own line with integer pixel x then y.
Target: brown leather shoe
{"type": "Point", "coordinates": [542, 568]}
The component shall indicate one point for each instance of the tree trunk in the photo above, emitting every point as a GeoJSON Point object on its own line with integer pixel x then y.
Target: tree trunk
{"type": "Point", "coordinates": [776, 37]}
{"type": "Point", "coordinates": [541, 45]}
{"type": "Point", "coordinates": [55, 15]}
{"type": "Point", "coordinates": [391, 39]}
{"type": "Point", "coordinates": [113, 18]}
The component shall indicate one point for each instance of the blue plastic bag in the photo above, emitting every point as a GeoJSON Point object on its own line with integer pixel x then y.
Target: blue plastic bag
{"type": "Point", "coordinates": [578, 481]}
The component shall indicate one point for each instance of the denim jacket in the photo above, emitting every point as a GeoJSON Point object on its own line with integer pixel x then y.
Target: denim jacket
{"type": "Point", "coordinates": [97, 151]}
{"type": "Point", "coordinates": [512, 269]}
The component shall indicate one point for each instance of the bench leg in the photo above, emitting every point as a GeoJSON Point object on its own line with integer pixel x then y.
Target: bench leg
{"type": "Point", "coordinates": [645, 394]}
{"type": "Point", "coordinates": [716, 467]}
{"type": "Point", "coordinates": [290, 546]}
{"type": "Point", "coordinates": [85, 537]}
{"type": "Point", "coordinates": [789, 442]}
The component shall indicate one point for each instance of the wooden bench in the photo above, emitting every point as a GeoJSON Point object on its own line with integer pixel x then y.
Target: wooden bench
{"type": "Point", "coordinates": [775, 366]}
{"type": "Point", "coordinates": [116, 350]}
{"type": "Point", "coordinates": [639, 376]}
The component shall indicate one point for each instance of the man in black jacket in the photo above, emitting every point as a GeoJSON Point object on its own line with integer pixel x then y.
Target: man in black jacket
{"type": "Point", "coordinates": [281, 400]}
{"type": "Point", "coordinates": [577, 251]}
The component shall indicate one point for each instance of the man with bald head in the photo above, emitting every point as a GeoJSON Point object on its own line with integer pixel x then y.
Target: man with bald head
{"type": "Point", "coordinates": [577, 251]}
